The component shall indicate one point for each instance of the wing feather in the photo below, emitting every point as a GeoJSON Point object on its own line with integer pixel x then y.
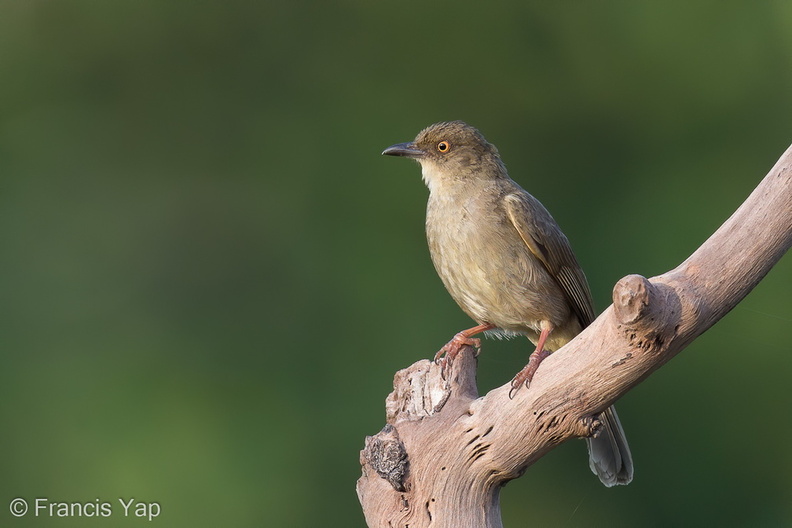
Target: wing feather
{"type": "Point", "coordinates": [549, 244]}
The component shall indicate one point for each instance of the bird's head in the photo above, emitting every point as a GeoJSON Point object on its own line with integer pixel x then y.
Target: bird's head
{"type": "Point", "coordinates": [451, 151]}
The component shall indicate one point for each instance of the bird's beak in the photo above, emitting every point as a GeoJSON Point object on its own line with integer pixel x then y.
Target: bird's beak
{"type": "Point", "coordinates": [407, 150]}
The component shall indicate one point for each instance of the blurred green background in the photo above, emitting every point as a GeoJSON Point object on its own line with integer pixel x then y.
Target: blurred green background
{"type": "Point", "coordinates": [209, 275]}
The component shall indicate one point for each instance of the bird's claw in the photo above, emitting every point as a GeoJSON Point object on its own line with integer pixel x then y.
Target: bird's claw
{"type": "Point", "coordinates": [525, 376]}
{"type": "Point", "coordinates": [451, 349]}
{"type": "Point", "coordinates": [446, 355]}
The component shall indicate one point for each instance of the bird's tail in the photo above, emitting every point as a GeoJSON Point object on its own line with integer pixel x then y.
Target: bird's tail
{"type": "Point", "coordinates": [609, 454]}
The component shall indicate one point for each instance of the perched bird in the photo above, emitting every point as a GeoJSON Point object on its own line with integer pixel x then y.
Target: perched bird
{"type": "Point", "coordinates": [506, 263]}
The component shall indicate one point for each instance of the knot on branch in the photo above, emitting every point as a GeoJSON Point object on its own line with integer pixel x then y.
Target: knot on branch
{"type": "Point", "coordinates": [649, 313]}
{"type": "Point", "coordinates": [386, 454]}
{"type": "Point", "coordinates": [587, 427]}
{"type": "Point", "coordinates": [631, 298]}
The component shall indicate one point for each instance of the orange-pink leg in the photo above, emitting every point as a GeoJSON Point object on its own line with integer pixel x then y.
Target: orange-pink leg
{"type": "Point", "coordinates": [451, 349]}
{"type": "Point", "coordinates": [525, 376]}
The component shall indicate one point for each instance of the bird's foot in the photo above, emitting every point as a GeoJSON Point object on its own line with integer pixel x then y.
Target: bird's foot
{"type": "Point", "coordinates": [451, 349]}
{"type": "Point", "coordinates": [525, 376]}
{"type": "Point", "coordinates": [446, 355]}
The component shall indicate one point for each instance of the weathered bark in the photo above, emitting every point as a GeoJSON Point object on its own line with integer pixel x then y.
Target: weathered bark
{"type": "Point", "coordinates": [446, 452]}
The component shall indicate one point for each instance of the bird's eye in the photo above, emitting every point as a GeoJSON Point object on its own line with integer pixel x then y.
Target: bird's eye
{"type": "Point", "coordinates": [443, 146]}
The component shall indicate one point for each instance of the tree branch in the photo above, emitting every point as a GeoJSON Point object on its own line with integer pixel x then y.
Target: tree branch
{"type": "Point", "coordinates": [446, 452]}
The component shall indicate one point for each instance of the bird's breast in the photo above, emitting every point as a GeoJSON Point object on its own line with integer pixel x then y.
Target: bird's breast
{"type": "Point", "coordinates": [485, 265]}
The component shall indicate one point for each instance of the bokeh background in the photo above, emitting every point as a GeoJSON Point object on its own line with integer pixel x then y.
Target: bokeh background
{"type": "Point", "coordinates": [209, 275]}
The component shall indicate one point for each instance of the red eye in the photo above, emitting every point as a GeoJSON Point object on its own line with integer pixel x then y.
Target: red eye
{"type": "Point", "coordinates": [443, 146]}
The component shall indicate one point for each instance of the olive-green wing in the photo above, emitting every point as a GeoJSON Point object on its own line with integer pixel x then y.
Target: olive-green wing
{"type": "Point", "coordinates": [549, 244]}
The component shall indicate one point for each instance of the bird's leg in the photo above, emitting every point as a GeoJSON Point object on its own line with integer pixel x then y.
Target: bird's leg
{"type": "Point", "coordinates": [525, 376]}
{"type": "Point", "coordinates": [451, 349]}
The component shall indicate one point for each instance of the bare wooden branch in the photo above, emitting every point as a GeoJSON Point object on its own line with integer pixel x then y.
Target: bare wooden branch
{"type": "Point", "coordinates": [446, 452]}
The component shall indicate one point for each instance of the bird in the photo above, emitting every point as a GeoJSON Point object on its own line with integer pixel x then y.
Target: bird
{"type": "Point", "coordinates": [506, 263]}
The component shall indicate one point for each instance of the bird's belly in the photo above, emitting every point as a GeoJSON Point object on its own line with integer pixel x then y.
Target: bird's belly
{"type": "Point", "coordinates": [494, 280]}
